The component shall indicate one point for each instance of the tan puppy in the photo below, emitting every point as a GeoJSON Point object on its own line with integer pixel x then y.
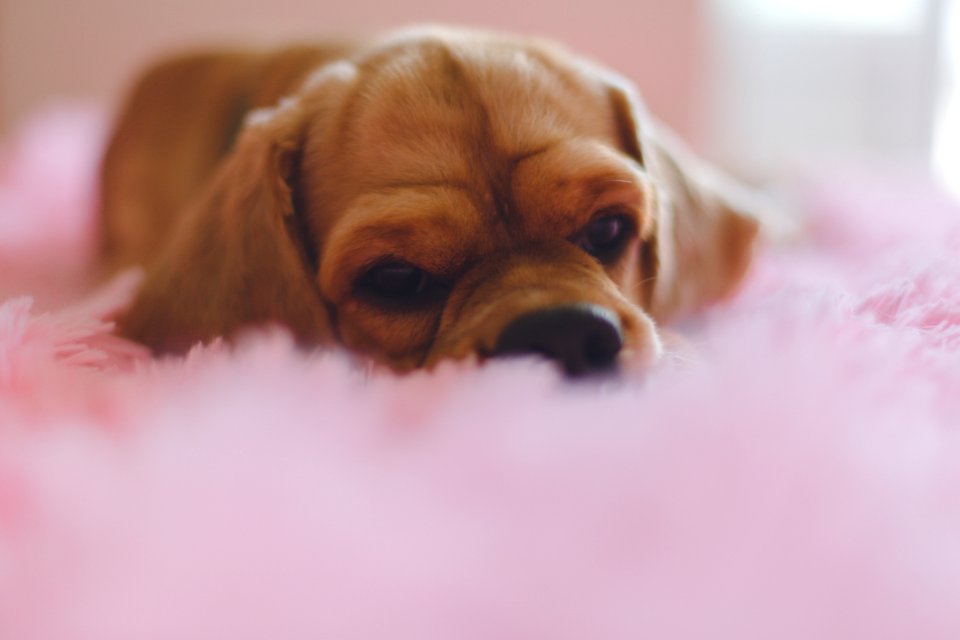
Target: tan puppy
{"type": "Point", "coordinates": [437, 194]}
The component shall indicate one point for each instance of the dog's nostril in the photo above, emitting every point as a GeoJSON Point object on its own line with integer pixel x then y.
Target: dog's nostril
{"type": "Point", "coordinates": [583, 338]}
{"type": "Point", "coordinates": [601, 348]}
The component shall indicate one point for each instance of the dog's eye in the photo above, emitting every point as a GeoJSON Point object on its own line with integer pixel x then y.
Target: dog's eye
{"type": "Point", "coordinates": [604, 236]}
{"type": "Point", "coordinates": [398, 282]}
{"type": "Point", "coordinates": [395, 280]}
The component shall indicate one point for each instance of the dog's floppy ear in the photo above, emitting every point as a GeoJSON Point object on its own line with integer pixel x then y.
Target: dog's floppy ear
{"type": "Point", "coordinates": [242, 253]}
{"type": "Point", "coordinates": [705, 223]}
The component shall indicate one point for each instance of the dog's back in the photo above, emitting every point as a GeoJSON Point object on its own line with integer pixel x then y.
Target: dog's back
{"type": "Point", "coordinates": [178, 122]}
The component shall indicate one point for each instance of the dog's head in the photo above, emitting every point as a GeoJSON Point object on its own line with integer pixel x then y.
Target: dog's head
{"type": "Point", "coordinates": [446, 195]}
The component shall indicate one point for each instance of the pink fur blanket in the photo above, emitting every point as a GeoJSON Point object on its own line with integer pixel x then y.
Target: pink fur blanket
{"type": "Point", "coordinates": [798, 478]}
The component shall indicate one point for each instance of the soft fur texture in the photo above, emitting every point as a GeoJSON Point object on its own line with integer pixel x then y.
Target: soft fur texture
{"type": "Point", "coordinates": [796, 478]}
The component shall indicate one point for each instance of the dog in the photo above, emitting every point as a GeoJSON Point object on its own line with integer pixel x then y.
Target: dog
{"type": "Point", "coordinates": [434, 194]}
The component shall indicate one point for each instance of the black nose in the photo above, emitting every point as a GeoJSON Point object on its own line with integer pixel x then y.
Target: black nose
{"type": "Point", "coordinates": [583, 338]}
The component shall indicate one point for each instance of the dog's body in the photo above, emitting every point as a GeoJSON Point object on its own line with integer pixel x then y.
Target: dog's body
{"type": "Point", "coordinates": [433, 195]}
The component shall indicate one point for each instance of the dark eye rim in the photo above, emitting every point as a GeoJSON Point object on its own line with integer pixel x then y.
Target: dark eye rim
{"type": "Point", "coordinates": [612, 251]}
{"type": "Point", "coordinates": [431, 291]}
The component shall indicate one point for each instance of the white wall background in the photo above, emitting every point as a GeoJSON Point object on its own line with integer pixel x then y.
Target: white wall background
{"type": "Point", "coordinates": [795, 83]}
{"type": "Point", "coordinates": [946, 145]}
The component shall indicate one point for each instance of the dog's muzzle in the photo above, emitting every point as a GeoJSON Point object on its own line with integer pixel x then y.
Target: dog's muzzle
{"type": "Point", "coordinates": [582, 338]}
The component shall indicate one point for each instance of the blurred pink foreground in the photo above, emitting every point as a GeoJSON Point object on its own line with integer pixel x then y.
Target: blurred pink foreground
{"type": "Point", "coordinates": [799, 479]}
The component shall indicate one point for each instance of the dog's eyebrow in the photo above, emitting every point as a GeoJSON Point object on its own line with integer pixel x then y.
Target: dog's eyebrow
{"type": "Point", "coordinates": [441, 252]}
{"type": "Point", "coordinates": [461, 184]}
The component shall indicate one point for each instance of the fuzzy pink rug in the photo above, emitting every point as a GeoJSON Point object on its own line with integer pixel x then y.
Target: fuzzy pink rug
{"type": "Point", "coordinates": [799, 479]}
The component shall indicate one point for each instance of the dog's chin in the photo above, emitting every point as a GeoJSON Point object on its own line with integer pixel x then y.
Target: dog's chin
{"type": "Point", "coordinates": [414, 365]}
{"type": "Point", "coordinates": [639, 361]}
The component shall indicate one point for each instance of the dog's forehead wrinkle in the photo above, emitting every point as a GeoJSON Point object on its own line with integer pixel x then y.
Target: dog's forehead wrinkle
{"type": "Point", "coordinates": [485, 110]}
{"type": "Point", "coordinates": [427, 183]}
